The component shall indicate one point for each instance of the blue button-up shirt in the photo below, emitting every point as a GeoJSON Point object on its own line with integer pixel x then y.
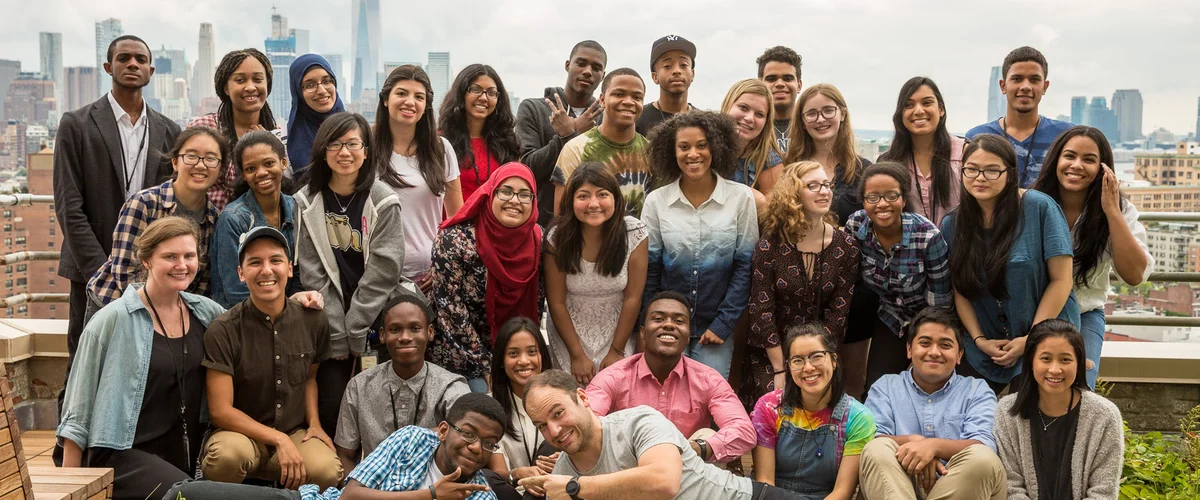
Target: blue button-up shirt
{"type": "Point", "coordinates": [964, 408]}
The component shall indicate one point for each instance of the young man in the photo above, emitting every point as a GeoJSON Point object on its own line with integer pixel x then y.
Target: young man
{"type": "Point", "coordinates": [672, 67]}
{"type": "Point", "coordinates": [407, 390]}
{"type": "Point", "coordinates": [443, 464]}
{"type": "Point", "coordinates": [1025, 71]}
{"type": "Point", "coordinates": [262, 358]}
{"type": "Point", "coordinates": [934, 427]}
{"type": "Point", "coordinates": [545, 125]}
{"type": "Point", "coordinates": [779, 68]}
{"type": "Point", "coordinates": [634, 453]}
{"type": "Point", "coordinates": [688, 393]}
{"type": "Point", "coordinates": [102, 154]}
{"type": "Point", "coordinates": [615, 142]}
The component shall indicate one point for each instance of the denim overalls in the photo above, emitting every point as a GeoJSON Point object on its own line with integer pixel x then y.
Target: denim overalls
{"type": "Point", "coordinates": [806, 461]}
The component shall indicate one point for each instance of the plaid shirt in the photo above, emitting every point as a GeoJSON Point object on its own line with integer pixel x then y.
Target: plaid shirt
{"type": "Point", "coordinates": [913, 276]}
{"type": "Point", "coordinates": [400, 463]}
{"type": "Point", "coordinates": [222, 192]}
{"type": "Point", "coordinates": [144, 207]}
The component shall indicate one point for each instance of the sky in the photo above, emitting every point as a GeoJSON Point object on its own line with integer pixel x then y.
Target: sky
{"type": "Point", "coordinates": [867, 48]}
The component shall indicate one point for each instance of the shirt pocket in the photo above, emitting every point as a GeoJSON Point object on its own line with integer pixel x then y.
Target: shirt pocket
{"type": "Point", "coordinates": [952, 427]}
{"type": "Point", "coordinates": [297, 367]}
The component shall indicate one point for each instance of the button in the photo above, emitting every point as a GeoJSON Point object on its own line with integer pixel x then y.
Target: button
{"type": "Point", "coordinates": [276, 332]}
{"type": "Point", "coordinates": [693, 292]}
{"type": "Point", "coordinates": [278, 405]}
{"type": "Point", "coordinates": [929, 427]}
{"type": "Point", "coordinates": [929, 401]}
{"type": "Point", "coordinates": [276, 356]}
{"type": "Point", "coordinates": [695, 272]}
{"type": "Point", "coordinates": [277, 382]}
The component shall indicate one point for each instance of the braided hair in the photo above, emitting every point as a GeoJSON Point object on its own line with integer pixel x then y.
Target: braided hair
{"type": "Point", "coordinates": [224, 72]}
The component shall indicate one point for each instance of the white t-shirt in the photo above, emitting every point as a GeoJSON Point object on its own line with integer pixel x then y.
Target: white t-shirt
{"type": "Point", "coordinates": [516, 450]}
{"type": "Point", "coordinates": [433, 475]}
{"type": "Point", "coordinates": [421, 211]}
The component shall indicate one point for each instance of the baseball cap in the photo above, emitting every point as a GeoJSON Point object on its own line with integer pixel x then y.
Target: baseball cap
{"type": "Point", "coordinates": [260, 232]}
{"type": "Point", "coordinates": [671, 42]}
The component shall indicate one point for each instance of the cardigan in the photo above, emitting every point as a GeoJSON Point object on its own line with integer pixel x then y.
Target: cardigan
{"type": "Point", "coordinates": [1096, 459]}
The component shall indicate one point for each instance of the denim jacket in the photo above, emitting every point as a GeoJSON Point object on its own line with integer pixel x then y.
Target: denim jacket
{"type": "Point", "coordinates": [108, 376]}
{"type": "Point", "coordinates": [240, 216]}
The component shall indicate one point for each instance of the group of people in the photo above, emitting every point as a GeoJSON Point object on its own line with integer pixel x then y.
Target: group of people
{"type": "Point", "coordinates": [327, 308]}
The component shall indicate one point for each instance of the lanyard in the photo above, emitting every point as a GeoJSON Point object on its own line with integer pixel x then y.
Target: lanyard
{"type": "Point", "coordinates": [124, 162]}
{"type": "Point", "coordinates": [1029, 150]}
{"type": "Point", "coordinates": [416, 405]}
{"type": "Point", "coordinates": [179, 378]}
{"type": "Point", "coordinates": [921, 196]}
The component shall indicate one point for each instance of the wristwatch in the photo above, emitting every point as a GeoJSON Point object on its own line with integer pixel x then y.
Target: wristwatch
{"type": "Point", "coordinates": [705, 449]}
{"type": "Point", "coordinates": [573, 488]}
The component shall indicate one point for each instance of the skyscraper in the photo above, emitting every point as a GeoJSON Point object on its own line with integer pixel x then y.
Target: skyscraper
{"type": "Point", "coordinates": [997, 104]}
{"type": "Point", "coordinates": [1127, 106]}
{"type": "Point", "coordinates": [302, 37]}
{"type": "Point", "coordinates": [30, 99]}
{"type": "Point", "coordinates": [1197, 112]}
{"type": "Point", "coordinates": [52, 64]}
{"type": "Point", "coordinates": [1100, 116]}
{"type": "Point", "coordinates": [106, 31]}
{"type": "Point", "coordinates": [1079, 106]}
{"type": "Point", "coordinates": [439, 75]}
{"type": "Point", "coordinates": [202, 81]}
{"type": "Point", "coordinates": [339, 71]}
{"type": "Point", "coordinates": [281, 51]}
{"type": "Point", "coordinates": [365, 29]}
{"type": "Point", "coordinates": [9, 70]}
{"type": "Point", "coordinates": [81, 87]}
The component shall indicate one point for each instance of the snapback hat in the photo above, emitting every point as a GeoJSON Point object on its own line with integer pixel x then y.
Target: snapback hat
{"type": "Point", "coordinates": [671, 42]}
{"type": "Point", "coordinates": [260, 232]}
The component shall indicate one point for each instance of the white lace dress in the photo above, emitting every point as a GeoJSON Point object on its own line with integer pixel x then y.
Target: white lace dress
{"type": "Point", "coordinates": [594, 303]}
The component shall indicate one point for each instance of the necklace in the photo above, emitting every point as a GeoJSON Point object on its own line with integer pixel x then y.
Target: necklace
{"type": "Point", "coordinates": [928, 207]}
{"type": "Point", "coordinates": [1046, 426]}
{"type": "Point", "coordinates": [338, 199]}
{"type": "Point", "coordinates": [180, 366]}
{"type": "Point", "coordinates": [1028, 151]}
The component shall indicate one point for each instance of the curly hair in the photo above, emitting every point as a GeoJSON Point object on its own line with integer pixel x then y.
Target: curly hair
{"type": "Point", "coordinates": [221, 76]}
{"type": "Point", "coordinates": [784, 218]}
{"type": "Point", "coordinates": [499, 129]}
{"type": "Point", "coordinates": [759, 148]}
{"type": "Point", "coordinates": [781, 54]}
{"type": "Point", "coordinates": [722, 143]}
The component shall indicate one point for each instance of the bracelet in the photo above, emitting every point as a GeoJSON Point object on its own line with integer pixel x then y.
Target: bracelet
{"type": "Point", "coordinates": [618, 351]}
{"type": "Point", "coordinates": [780, 372]}
{"type": "Point", "coordinates": [975, 340]}
{"type": "Point", "coordinates": [432, 492]}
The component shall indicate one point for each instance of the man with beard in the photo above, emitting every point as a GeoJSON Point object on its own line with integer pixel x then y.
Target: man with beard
{"type": "Point", "coordinates": [779, 68]}
{"type": "Point", "coordinates": [1025, 71]}
{"type": "Point", "coordinates": [545, 125]}
{"type": "Point", "coordinates": [672, 67]}
{"type": "Point", "coordinates": [690, 394]}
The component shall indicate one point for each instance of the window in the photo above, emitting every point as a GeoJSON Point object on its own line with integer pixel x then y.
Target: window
{"type": "Point", "coordinates": [7, 283]}
{"type": "Point", "coordinates": [21, 309]}
{"type": "Point", "coordinates": [7, 269]}
{"type": "Point", "coordinates": [8, 242]}
{"type": "Point", "coordinates": [52, 307]}
{"type": "Point", "coordinates": [51, 282]}
{"type": "Point", "coordinates": [22, 268]}
{"type": "Point", "coordinates": [8, 214]}
{"type": "Point", "coordinates": [49, 244]}
{"type": "Point", "coordinates": [51, 218]}
{"type": "Point", "coordinates": [20, 240]}
{"type": "Point", "coordinates": [9, 311]}
{"type": "Point", "coordinates": [7, 228]}
{"type": "Point", "coordinates": [52, 227]}
{"type": "Point", "coordinates": [22, 282]}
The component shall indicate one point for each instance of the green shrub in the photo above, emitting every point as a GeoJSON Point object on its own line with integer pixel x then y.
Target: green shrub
{"type": "Point", "coordinates": [1158, 467]}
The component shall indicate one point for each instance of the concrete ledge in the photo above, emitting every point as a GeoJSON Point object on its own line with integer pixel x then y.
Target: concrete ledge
{"type": "Point", "coordinates": [1153, 362]}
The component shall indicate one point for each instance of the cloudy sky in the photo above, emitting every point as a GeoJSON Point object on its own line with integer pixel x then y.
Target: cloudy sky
{"type": "Point", "coordinates": [868, 48]}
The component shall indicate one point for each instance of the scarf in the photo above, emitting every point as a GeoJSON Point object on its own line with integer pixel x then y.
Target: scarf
{"type": "Point", "coordinates": [303, 121]}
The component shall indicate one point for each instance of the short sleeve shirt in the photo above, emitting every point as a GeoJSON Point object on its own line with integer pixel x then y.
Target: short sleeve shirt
{"type": "Point", "coordinates": [625, 160]}
{"type": "Point", "coordinates": [1031, 152]}
{"type": "Point", "coordinates": [269, 359]}
{"type": "Point", "coordinates": [378, 402]}
{"type": "Point", "coordinates": [768, 420]}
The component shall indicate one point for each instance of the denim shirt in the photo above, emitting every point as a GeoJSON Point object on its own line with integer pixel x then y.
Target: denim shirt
{"type": "Point", "coordinates": [964, 408]}
{"type": "Point", "coordinates": [108, 376]}
{"type": "Point", "coordinates": [240, 216]}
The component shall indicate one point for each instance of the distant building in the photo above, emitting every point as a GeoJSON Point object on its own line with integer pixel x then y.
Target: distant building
{"type": "Point", "coordinates": [81, 88]}
{"type": "Point", "coordinates": [30, 99]}
{"type": "Point", "coordinates": [302, 37]}
{"type": "Point", "coordinates": [1127, 106]}
{"type": "Point", "coordinates": [1178, 168]}
{"type": "Point", "coordinates": [14, 145]}
{"type": "Point", "coordinates": [1100, 116]}
{"type": "Point", "coordinates": [51, 52]}
{"type": "Point", "coordinates": [439, 75]}
{"type": "Point", "coordinates": [1178, 198]}
{"type": "Point", "coordinates": [106, 31]}
{"type": "Point", "coordinates": [281, 51]}
{"type": "Point", "coordinates": [1170, 243]}
{"type": "Point", "coordinates": [997, 102]}
{"type": "Point", "coordinates": [1079, 110]}
{"type": "Point", "coordinates": [204, 72]}
{"type": "Point", "coordinates": [9, 70]}
{"type": "Point", "coordinates": [1161, 136]}
{"type": "Point", "coordinates": [1197, 136]}
{"type": "Point", "coordinates": [33, 228]}
{"type": "Point", "coordinates": [1063, 118]}
{"type": "Point", "coordinates": [365, 31]}
{"type": "Point", "coordinates": [339, 71]}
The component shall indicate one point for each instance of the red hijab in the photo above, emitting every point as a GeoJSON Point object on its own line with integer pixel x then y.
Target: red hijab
{"type": "Point", "coordinates": [510, 254]}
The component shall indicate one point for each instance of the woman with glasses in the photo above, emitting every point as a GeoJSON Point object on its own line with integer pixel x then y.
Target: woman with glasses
{"type": "Point", "coordinates": [804, 271]}
{"type": "Point", "coordinates": [1010, 261]}
{"type": "Point", "coordinates": [350, 248]}
{"type": "Point", "coordinates": [314, 98]}
{"type": "Point", "coordinates": [811, 434]}
{"type": "Point", "coordinates": [903, 261]}
{"type": "Point", "coordinates": [485, 271]}
{"type": "Point", "coordinates": [477, 118]}
{"type": "Point", "coordinates": [196, 158]}
{"type": "Point", "coordinates": [702, 229]}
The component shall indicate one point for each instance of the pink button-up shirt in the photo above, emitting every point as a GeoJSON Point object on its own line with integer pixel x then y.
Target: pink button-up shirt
{"type": "Point", "coordinates": [693, 396]}
{"type": "Point", "coordinates": [923, 184]}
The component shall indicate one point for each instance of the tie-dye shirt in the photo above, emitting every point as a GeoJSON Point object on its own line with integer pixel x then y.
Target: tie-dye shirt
{"type": "Point", "coordinates": [767, 419]}
{"type": "Point", "coordinates": [625, 160]}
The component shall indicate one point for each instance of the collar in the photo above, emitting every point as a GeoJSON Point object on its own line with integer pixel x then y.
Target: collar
{"type": "Point", "coordinates": [258, 314]}
{"type": "Point", "coordinates": [287, 208]}
{"type": "Point", "coordinates": [415, 383]}
{"type": "Point", "coordinates": [133, 301]}
{"type": "Point", "coordinates": [908, 378]}
{"type": "Point", "coordinates": [719, 195]}
{"type": "Point", "coordinates": [120, 112]}
{"type": "Point", "coordinates": [642, 370]}
{"type": "Point", "coordinates": [908, 221]}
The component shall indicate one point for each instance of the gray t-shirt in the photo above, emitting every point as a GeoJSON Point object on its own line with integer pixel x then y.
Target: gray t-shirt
{"type": "Point", "coordinates": [627, 434]}
{"type": "Point", "coordinates": [196, 216]}
{"type": "Point", "coordinates": [377, 402]}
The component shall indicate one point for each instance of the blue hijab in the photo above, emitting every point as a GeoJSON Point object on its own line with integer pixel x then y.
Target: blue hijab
{"type": "Point", "coordinates": [303, 121]}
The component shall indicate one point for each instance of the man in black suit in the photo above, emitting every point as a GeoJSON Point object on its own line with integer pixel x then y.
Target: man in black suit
{"type": "Point", "coordinates": [103, 153]}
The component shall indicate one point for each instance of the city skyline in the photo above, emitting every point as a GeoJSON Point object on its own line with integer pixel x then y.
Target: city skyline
{"type": "Point", "coordinates": [868, 69]}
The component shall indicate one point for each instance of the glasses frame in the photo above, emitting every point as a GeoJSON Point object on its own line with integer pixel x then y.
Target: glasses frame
{"type": "Point", "coordinates": [808, 359]}
{"type": "Point", "coordinates": [519, 195]}
{"type": "Point", "coordinates": [476, 90]}
{"type": "Point", "coordinates": [472, 438]}
{"type": "Point", "coordinates": [200, 160]}
{"type": "Point", "coordinates": [821, 186]}
{"type": "Point", "coordinates": [329, 84]}
{"type": "Point", "coordinates": [337, 146]}
{"type": "Point", "coordinates": [821, 113]}
{"type": "Point", "coordinates": [984, 173]}
{"type": "Point", "coordinates": [894, 195]}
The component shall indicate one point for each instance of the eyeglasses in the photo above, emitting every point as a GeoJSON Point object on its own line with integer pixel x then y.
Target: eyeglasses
{"type": "Point", "coordinates": [990, 174]}
{"type": "Point", "coordinates": [310, 87]}
{"type": "Point", "coordinates": [352, 146]}
{"type": "Point", "coordinates": [506, 194]}
{"type": "Point", "coordinates": [828, 112]}
{"type": "Point", "coordinates": [472, 438]}
{"type": "Point", "coordinates": [816, 187]}
{"type": "Point", "coordinates": [192, 160]}
{"type": "Point", "coordinates": [817, 359]}
{"type": "Point", "coordinates": [874, 198]}
{"type": "Point", "coordinates": [477, 90]}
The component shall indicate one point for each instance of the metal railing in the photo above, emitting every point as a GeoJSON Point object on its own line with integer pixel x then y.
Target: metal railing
{"type": "Point", "coordinates": [26, 199]}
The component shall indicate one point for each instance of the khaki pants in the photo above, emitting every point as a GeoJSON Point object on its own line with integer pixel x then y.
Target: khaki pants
{"type": "Point", "coordinates": [230, 457]}
{"type": "Point", "coordinates": [973, 473]}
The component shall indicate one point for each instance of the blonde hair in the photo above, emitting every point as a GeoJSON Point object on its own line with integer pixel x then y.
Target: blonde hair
{"type": "Point", "coordinates": [802, 147]}
{"type": "Point", "coordinates": [784, 219]}
{"type": "Point", "coordinates": [759, 148]}
{"type": "Point", "coordinates": [162, 230]}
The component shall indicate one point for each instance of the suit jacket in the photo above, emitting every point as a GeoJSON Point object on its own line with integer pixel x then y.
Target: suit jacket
{"type": "Point", "coordinates": [89, 181]}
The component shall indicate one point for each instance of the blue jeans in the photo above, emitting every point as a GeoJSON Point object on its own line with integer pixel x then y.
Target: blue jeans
{"type": "Point", "coordinates": [478, 384]}
{"type": "Point", "coordinates": [1091, 325]}
{"type": "Point", "coordinates": [717, 357]}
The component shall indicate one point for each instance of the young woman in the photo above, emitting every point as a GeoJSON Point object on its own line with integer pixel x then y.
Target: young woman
{"type": "Point", "coordinates": [477, 118]}
{"type": "Point", "coordinates": [261, 160]}
{"type": "Point", "coordinates": [1057, 439]}
{"type": "Point", "coordinates": [350, 248]}
{"type": "Point", "coordinates": [136, 401]}
{"type": "Point", "coordinates": [804, 271]}
{"type": "Point", "coordinates": [519, 354]}
{"type": "Point", "coordinates": [485, 271]}
{"type": "Point", "coordinates": [926, 149]}
{"type": "Point", "coordinates": [810, 433]}
{"type": "Point", "coordinates": [243, 80]}
{"type": "Point", "coordinates": [196, 158]}
{"type": "Point", "coordinates": [1010, 261]}
{"type": "Point", "coordinates": [749, 104]}
{"type": "Point", "coordinates": [702, 229]}
{"type": "Point", "coordinates": [420, 166]}
{"type": "Point", "coordinates": [904, 261]}
{"type": "Point", "coordinates": [595, 272]}
{"type": "Point", "coordinates": [314, 98]}
{"type": "Point", "coordinates": [1105, 231]}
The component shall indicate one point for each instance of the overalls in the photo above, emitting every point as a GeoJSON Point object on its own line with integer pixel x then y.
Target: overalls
{"type": "Point", "coordinates": [806, 461]}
